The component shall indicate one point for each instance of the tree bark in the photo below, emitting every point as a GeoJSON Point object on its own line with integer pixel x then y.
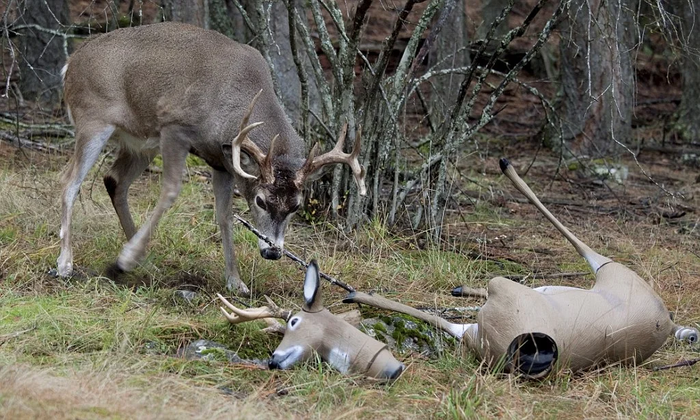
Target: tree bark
{"type": "Point", "coordinates": [688, 122]}
{"type": "Point", "coordinates": [490, 9]}
{"type": "Point", "coordinates": [596, 96]}
{"type": "Point", "coordinates": [450, 51]}
{"type": "Point", "coordinates": [221, 19]}
{"type": "Point", "coordinates": [42, 54]}
{"type": "Point", "coordinates": [194, 12]}
{"type": "Point", "coordinates": [278, 52]}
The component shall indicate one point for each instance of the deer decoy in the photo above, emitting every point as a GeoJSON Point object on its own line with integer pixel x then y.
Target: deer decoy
{"type": "Point", "coordinates": [534, 331]}
{"type": "Point", "coordinates": [315, 329]}
{"type": "Point", "coordinates": [175, 89]}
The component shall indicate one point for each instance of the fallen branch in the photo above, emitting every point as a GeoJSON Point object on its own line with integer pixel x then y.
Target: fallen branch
{"type": "Point", "coordinates": [291, 256]}
{"type": "Point", "coordinates": [678, 150]}
{"type": "Point", "coordinates": [690, 362]}
{"type": "Point", "coordinates": [10, 118]}
{"type": "Point", "coordinates": [7, 337]}
{"type": "Point", "coordinates": [28, 144]}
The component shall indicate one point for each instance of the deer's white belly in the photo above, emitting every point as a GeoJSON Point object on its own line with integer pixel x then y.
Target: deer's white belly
{"type": "Point", "coordinates": [133, 143]}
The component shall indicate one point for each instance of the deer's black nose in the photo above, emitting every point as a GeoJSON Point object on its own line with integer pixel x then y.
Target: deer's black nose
{"type": "Point", "coordinates": [272, 364]}
{"type": "Point", "coordinates": [271, 253]}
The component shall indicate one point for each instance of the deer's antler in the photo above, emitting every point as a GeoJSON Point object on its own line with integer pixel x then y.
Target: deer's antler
{"type": "Point", "coordinates": [266, 313]}
{"type": "Point", "coordinates": [336, 155]}
{"type": "Point", "coordinates": [242, 141]}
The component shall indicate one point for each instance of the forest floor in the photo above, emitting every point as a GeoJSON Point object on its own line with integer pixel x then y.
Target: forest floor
{"type": "Point", "coordinates": [92, 348]}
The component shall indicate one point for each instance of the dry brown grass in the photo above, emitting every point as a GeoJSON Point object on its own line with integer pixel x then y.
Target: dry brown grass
{"type": "Point", "coordinates": [84, 348]}
{"type": "Point", "coordinates": [30, 392]}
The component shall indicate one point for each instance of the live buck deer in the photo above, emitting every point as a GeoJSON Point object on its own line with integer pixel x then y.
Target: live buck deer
{"type": "Point", "coordinates": [532, 331]}
{"type": "Point", "coordinates": [175, 89]}
{"type": "Point", "coordinates": [315, 330]}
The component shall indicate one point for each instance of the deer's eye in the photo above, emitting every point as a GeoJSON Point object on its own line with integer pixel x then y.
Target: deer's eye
{"type": "Point", "coordinates": [293, 322]}
{"type": "Point", "coordinates": [259, 201]}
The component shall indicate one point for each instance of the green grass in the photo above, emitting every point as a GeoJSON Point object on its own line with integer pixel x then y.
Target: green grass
{"type": "Point", "coordinates": [90, 348]}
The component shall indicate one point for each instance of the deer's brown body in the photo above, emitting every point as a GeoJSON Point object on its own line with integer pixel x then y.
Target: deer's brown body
{"type": "Point", "coordinates": [175, 89]}
{"type": "Point", "coordinates": [532, 331]}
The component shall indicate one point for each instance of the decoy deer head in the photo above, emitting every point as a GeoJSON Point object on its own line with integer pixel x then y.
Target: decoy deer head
{"type": "Point", "coordinates": [315, 329]}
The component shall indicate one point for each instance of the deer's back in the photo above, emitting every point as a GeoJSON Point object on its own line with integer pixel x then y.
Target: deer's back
{"type": "Point", "coordinates": [149, 75]}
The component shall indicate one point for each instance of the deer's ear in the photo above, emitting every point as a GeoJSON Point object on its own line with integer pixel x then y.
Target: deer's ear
{"type": "Point", "coordinates": [247, 164]}
{"type": "Point", "coordinates": [320, 172]}
{"type": "Point", "coordinates": [312, 292]}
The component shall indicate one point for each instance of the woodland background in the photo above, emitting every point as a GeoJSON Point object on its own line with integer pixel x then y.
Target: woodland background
{"type": "Point", "coordinates": [597, 103]}
{"type": "Point", "coordinates": [424, 78]}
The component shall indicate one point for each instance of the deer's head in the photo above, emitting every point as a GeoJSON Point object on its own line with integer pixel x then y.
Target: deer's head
{"type": "Point", "coordinates": [274, 181]}
{"type": "Point", "coordinates": [315, 330]}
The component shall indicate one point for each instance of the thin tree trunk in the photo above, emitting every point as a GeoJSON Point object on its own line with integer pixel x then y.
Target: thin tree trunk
{"type": "Point", "coordinates": [221, 18]}
{"type": "Point", "coordinates": [42, 54]}
{"type": "Point", "coordinates": [450, 51]}
{"type": "Point", "coordinates": [194, 12]}
{"type": "Point", "coordinates": [688, 123]}
{"type": "Point", "coordinates": [596, 97]}
{"type": "Point", "coordinates": [490, 9]}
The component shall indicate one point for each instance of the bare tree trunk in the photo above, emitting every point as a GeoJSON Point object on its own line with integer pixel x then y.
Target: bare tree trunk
{"type": "Point", "coordinates": [285, 70]}
{"type": "Point", "coordinates": [596, 97]}
{"type": "Point", "coordinates": [451, 51]}
{"type": "Point", "coordinates": [195, 12]}
{"type": "Point", "coordinates": [490, 9]}
{"type": "Point", "coordinates": [380, 107]}
{"type": "Point", "coordinates": [271, 37]}
{"type": "Point", "coordinates": [221, 19]}
{"type": "Point", "coordinates": [688, 123]}
{"type": "Point", "coordinates": [42, 53]}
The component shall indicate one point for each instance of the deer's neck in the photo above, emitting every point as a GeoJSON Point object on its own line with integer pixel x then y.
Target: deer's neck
{"type": "Point", "coordinates": [347, 349]}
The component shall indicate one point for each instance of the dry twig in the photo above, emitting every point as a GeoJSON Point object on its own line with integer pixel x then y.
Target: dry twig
{"type": "Point", "coordinates": [292, 256]}
{"type": "Point", "coordinates": [690, 362]}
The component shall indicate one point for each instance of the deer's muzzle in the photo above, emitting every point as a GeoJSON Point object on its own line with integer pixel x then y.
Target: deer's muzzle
{"type": "Point", "coordinates": [284, 359]}
{"type": "Point", "coordinates": [271, 252]}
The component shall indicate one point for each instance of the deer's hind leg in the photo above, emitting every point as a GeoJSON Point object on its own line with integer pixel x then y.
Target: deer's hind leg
{"type": "Point", "coordinates": [125, 169]}
{"type": "Point", "coordinates": [89, 141]}
{"type": "Point", "coordinates": [174, 150]}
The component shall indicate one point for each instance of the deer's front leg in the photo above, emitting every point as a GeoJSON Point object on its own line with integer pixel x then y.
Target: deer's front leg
{"type": "Point", "coordinates": [174, 150]}
{"type": "Point", "coordinates": [89, 141]}
{"type": "Point", "coordinates": [222, 183]}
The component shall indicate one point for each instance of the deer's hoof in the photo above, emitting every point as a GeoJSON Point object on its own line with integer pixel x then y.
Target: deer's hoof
{"type": "Point", "coordinates": [128, 258]}
{"type": "Point", "coordinates": [64, 269]}
{"type": "Point", "coordinates": [113, 272]}
{"type": "Point", "coordinates": [238, 287]}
